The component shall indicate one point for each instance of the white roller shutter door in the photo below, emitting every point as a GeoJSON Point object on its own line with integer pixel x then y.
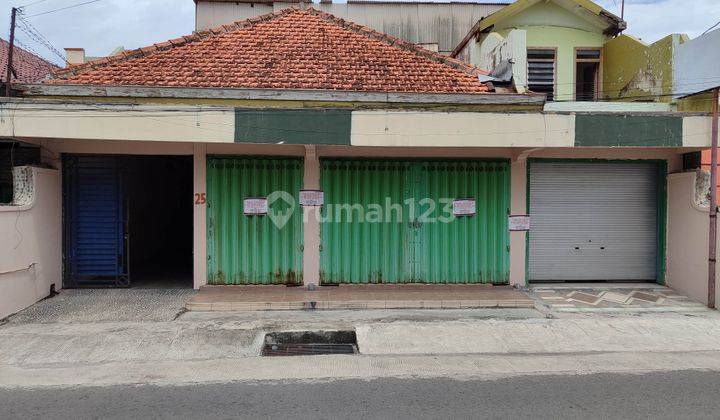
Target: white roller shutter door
{"type": "Point", "coordinates": [593, 221]}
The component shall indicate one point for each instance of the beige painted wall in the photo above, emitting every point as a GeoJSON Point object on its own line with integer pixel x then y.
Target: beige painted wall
{"type": "Point", "coordinates": [30, 249]}
{"type": "Point", "coordinates": [688, 233]}
{"type": "Point", "coordinates": [696, 131]}
{"type": "Point", "coordinates": [199, 215]}
{"type": "Point", "coordinates": [311, 229]}
{"type": "Point", "coordinates": [461, 129]}
{"type": "Point", "coordinates": [144, 123]}
{"type": "Point", "coordinates": [518, 207]}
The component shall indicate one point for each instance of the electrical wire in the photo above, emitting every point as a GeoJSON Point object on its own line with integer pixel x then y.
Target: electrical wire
{"type": "Point", "coordinates": [710, 28]}
{"type": "Point", "coordinates": [28, 48]}
{"type": "Point", "coordinates": [34, 33]}
{"type": "Point", "coordinates": [64, 8]}
{"type": "Point", "coordinates": [31, 4]}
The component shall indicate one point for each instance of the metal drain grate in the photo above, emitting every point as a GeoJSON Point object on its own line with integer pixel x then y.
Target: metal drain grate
{"type": "Point", "coordinates": [309, 343]}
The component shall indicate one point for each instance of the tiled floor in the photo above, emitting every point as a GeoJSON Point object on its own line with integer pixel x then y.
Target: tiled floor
{"type": "Point", "coordinates": [609, 297]}
{"type": "Point", "coordinates": [243, 298]}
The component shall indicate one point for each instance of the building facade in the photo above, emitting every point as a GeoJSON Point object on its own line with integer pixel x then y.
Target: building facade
{"type": "Point", "coordinates": [298, 148]}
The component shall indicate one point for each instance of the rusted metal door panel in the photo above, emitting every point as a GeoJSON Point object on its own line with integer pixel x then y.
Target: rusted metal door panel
{"type": "Point", "coordinates": [463, 249]}
{"type": "Point", "coordinates": [422, 242]}
{"type": "Point", "coordinates": [246, 249]}
{"type": "Point", "coordinates": [367, 247]}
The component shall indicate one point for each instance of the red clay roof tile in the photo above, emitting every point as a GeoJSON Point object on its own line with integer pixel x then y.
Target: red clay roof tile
{"type": "Point", "coordinates": [29, 68]}
{"type": "Point", "coordinates": [288, 49]}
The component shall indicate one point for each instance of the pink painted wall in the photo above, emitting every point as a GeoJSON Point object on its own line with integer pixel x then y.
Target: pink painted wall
{"type": "Point", "coordinates": [30, 248]}
{"type": "Point", "coordinates": [688, 235]}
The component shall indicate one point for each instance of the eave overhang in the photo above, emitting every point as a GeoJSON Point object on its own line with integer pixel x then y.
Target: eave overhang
{"type": "Point", "coordinates": [103, 91]}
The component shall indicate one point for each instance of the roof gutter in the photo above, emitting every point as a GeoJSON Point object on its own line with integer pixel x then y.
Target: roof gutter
{"type": "Point", "coordinates": [80, 91]}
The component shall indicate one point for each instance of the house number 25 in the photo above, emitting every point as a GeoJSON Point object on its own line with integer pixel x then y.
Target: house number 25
{"type": "Point", "coordinates": [200, 198]}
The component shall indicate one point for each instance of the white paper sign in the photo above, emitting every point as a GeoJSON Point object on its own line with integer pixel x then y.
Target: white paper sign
{"type": "Point", "coordinates": [310, 198]}
{"type": "Point", "coordinates": [519, 223]}
{"type": "Point", "coordinates": [464, 207]}
{"type": "Point", "coordinates": [255, 206]}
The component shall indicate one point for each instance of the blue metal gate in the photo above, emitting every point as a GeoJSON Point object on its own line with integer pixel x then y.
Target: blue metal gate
{"type": "Point", "coordinates": [95, 221]}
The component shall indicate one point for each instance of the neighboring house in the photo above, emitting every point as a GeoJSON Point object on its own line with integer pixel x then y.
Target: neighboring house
{"type": "Point", "coordinates": [573, 50]}
{"type": "Point", "coordinates": [437, 26]}
{"type": "Point", "coordinates": [245, 116]}
{"type": "Point", "coordinates": [27, 67]}
{"type": "Point", "coordinates": [695, 72]}
{"type": "Point", "coordinates": [554, 46]}
{"type": "Point", "coordinates": [674, 72]}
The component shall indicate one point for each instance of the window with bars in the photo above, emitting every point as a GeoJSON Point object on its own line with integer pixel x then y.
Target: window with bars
{"type": "Point", "coordinates": [541, 71]}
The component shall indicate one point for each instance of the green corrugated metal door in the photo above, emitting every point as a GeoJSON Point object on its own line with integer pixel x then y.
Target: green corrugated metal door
{"type": "Point", "coordinates": [253, 249]}
{"type": "Point", "coordinates": [364, 248]}
{"type": "Point", "coordinates": [467, 249]}
{"type": "Point", "coordinates": [424, 243]}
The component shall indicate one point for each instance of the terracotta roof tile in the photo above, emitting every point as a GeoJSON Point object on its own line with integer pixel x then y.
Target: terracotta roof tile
{"type": "Point", "coordinates": [287, 49]}
{"type": "Point", "coordinates": [29, 68]}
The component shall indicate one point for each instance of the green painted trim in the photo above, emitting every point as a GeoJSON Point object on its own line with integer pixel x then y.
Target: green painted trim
{"type": "Point", "coordinates": [662, 168]}
{"type": "Point", "coordinates": [662, 214]}
{"type": "Point", "coordinates": [293, 126]}
{"type": "Point", "coordinates": [608, 130]}
{"type": "Point", "coordinates": [528, 162]}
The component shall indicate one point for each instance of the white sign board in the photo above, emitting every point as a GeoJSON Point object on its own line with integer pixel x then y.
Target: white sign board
{"type": "Point", "coordinates": [464, 207]}
{"type": "Point", "coordinates": [255, 206]}
{"type": "Point", "coordinates": [309, 198]}
{"type": "Point", "coordinates": [519, 223]}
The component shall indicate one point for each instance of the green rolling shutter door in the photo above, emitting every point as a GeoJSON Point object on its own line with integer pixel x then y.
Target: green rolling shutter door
{"type": "Point", "coordinates": [252, 249]}
{"type": "Point", "coordinates": [468, 249]}
{"type": "Point", "coordinates": [413, 248]}
{"type": "Point", "coordinates": [358, 252]}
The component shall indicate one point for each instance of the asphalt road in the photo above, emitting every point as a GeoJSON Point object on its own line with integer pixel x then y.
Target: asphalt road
{"type": "Point", "coordinates": [687, 395]}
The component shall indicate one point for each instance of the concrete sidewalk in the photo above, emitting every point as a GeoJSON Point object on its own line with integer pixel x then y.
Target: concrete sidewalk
{"type": "Point", "coordinates": [217, 347]}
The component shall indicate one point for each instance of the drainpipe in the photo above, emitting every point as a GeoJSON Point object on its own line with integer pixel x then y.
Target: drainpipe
{"type": "Point", "coordinates": [713, 202]}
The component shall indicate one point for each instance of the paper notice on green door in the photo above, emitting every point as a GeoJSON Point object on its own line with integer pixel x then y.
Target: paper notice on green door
{"type": "Point", "coordinates": [464, 207]}
{"type": "Point", "coordinates": [255, 206]}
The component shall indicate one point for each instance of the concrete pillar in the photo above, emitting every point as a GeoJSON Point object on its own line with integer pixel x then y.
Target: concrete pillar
{"type": "Point", "coordinates": [518, 206]}
{"type": "Point", "coordinates": [311, 239]}
{"type": "Point", "coordinates": [199, 216]}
